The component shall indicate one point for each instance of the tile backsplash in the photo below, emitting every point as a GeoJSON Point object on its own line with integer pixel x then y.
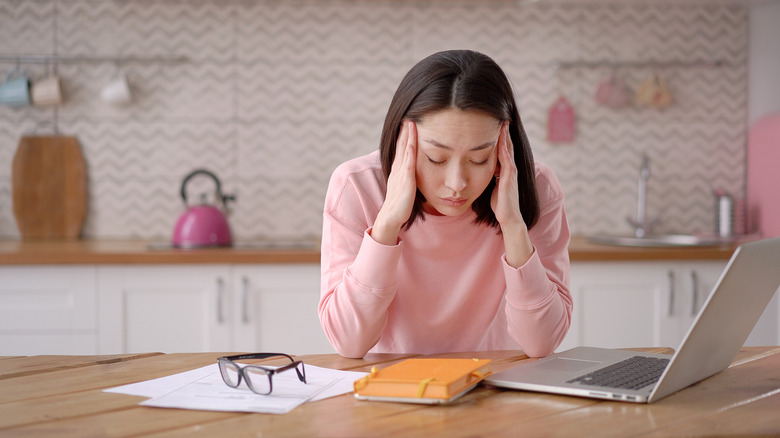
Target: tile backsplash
{"type": "Point", "coordinates": [273, 95]}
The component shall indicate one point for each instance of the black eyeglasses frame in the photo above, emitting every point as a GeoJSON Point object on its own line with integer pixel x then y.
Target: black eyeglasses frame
{"type": "Point", "coordinates": [241, 369]}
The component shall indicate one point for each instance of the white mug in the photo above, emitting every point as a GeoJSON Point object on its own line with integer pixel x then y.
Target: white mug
{"type": "Point", "coordinates": [117, 90]}
{"type": "Point", "coordinates": [47, 91]}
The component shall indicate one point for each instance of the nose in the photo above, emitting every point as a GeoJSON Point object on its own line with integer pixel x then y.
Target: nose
{"type": "Point", "coordinates": [456, 179]}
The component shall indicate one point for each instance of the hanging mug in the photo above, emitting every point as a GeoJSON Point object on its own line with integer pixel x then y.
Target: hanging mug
{"type": "Point", "coordinates": [47, 91]}
{"type": "Point", "coordinates": [117, 90]}
{"type": "Point", "coordinates": [15, 90]}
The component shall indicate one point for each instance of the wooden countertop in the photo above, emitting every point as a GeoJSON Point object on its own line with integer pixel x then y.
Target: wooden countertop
{"type": "Point", "coordinates": [139, 252]}
{"type": "Point", "coordinates": [63, 396]}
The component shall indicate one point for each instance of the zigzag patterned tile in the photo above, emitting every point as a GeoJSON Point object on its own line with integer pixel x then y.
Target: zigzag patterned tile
{"type": "Point", "coordinates": [508, 33]}
{"type": "Point", "coordinates": [26, 27]}
{"type": "Point", "coordinates": [279, 208]}
{"type": "Point", "coordinates": [663, 33]}
{"type": "Point", "coordinates": [316, 92]}
{"type": "Point", "coordinates": [135, 171]}
{"type": "Point", "coordinates": [154, 149]}
{"type": "Point", "coordinates": [131, 208]}
{"type": "Point", "coordinates": [277, 94]}
{"type": "Point", "coordinates": [333, 32]}
{"type": "Point", "coordinates": [287, 149]}
{"type": "Point", "coordinates": [191, 90]}
{"type": "Point", "coordinates": [197, 29]}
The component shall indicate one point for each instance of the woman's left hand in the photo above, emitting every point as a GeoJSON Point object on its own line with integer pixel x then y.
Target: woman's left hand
{"type": "Point", "coordinates": [505, 202]}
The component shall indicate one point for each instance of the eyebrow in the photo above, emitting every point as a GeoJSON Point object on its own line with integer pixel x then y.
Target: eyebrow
{"type": "Point", "coordinates": [476, 148]}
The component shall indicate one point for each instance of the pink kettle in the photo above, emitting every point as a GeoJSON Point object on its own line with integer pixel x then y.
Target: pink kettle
{"type": "Point", "coordinates": [203, 225]}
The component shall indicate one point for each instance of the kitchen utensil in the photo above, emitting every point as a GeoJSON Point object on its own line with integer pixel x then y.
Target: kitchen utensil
{"type": "Point", "coordinates": [47, 91]}
{"type": "Point", "coordinates": [15, 90]}
{"type": "Point", "coordinates": [203, 225]}
{"type": "Point", "coordinates": [117, 90]}
{"type": "Point", "coordinates": [724, 214]}
{"type": "Point", "coordinates": [611, 92]}
{"type": "Point", "coordinates": [561, 121]}
{"type": "Point", "coordinates": [653, 92]}
{"type": "Point", "coordinates": [49, 185]}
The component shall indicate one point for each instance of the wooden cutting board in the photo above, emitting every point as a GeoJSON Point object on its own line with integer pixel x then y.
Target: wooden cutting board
{"type": "Point", "coordinates": [49, 186]}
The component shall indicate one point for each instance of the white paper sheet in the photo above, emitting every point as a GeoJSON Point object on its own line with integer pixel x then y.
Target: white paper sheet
{"type": "Point", "coordinates": [203, 389]}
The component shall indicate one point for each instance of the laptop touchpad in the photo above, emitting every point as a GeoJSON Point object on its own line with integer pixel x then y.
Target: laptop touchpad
{"type": "Point", "coordinates": [564, 364]}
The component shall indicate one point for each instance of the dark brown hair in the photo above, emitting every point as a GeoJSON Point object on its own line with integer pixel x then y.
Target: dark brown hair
{"type": "Point", "coordinates": [465, 80]}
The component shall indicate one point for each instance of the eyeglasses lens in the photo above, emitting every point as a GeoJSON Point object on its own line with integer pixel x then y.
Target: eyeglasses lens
{"type": "Point", "coordinates": [257, 379]}
{"type": "Point", "coordinates": [229, 372]}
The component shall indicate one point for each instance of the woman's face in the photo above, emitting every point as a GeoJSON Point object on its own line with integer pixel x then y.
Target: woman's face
{"type": "Point", "coordinates": [456, 159]}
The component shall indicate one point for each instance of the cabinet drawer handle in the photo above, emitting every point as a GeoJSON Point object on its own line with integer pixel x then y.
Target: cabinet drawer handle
{"type": "Point", "coordinates": [670, 311]}
{"type": "Point", "coordinates": [695, 286]}
{"type": "Point", "coordinates": [220, 293]}
{"type": "Point", "coordinates": [245, 300]}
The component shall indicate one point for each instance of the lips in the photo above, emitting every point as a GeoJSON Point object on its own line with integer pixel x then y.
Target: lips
{"type": "Point", "coordinates": [453, 202]}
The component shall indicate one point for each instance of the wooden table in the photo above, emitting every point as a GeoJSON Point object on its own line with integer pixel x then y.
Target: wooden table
{"type": "Point", "coordinates": [62, 396]}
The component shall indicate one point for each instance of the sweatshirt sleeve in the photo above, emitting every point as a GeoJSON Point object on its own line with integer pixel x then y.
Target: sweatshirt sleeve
{"type": "Point", "coordinates": [358, 274]}
{"type": "Point", "coordinates": [539, 304]}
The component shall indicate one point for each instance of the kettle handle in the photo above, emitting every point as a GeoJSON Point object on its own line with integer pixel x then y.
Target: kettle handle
{"type": "Point", "coordinates": [223, 198]}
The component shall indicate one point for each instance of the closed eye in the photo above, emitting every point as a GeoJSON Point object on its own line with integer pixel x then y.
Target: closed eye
{"type": "Point", "coordinates": [431, 160]}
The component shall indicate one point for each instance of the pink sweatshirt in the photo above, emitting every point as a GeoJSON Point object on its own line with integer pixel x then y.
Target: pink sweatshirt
{"type": "Point", "coordinates": [446, 286]}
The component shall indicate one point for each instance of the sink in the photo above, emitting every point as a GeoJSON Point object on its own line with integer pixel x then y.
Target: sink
{"type": "Point", "coordinates": [660, 240]}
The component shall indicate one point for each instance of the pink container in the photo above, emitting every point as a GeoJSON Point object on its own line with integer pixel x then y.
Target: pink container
{"type": "Point", "coordinates": [202, 226]}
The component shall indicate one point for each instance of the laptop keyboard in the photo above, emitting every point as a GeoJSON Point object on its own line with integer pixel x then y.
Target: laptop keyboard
{"type": "Point", "coordinates": [633, 373]}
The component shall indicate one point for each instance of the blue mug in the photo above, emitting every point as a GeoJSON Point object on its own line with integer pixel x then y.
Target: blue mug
{"type": "Point", "coordinates": [15, 91]}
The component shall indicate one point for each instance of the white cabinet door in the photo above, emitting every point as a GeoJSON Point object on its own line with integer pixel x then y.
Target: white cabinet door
{"type": "Point", "coordinates": [695, 282]}
{"type": "Point", "coordinates": [181, 308]}
{"type": "Point", "coordinates": [276, 309]}
{"type": "Point", "coordinates": [48, 310]}
{"type": "Point", "coordinates": [649, 304]}
{"type": "Point", "coordinates": [621, 305]}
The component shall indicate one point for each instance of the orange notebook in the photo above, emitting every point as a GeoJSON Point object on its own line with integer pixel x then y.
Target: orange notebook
{"type": "Point", "coordinates": [423, 380]}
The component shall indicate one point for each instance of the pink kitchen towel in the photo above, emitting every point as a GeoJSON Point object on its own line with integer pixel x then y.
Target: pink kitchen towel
{"type": "Point", "coordinates": [561, 122]}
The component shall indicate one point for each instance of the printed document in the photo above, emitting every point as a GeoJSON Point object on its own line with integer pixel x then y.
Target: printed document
{"type": "Point", "coordinates": [203, 389]}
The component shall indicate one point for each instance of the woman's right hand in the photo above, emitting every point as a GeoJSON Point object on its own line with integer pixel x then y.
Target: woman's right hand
{"type": "Point", "coordinates": [401, 188]}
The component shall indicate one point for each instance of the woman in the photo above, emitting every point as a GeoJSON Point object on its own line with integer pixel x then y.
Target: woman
{"type": "Point", "coordinates": [450, 237]}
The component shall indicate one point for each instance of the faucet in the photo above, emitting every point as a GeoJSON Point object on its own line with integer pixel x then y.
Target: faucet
{"type": "Point", "coordinates": [642, 225]}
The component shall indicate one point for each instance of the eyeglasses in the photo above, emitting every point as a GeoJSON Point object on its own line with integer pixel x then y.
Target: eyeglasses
{"type": "Point", "coordinates": [258, 378]}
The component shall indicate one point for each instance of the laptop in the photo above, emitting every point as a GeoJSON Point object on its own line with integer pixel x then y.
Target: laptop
{"type": "Point", "coordinates": [729, 314]}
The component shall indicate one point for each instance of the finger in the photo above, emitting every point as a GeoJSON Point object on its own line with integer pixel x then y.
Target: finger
{"type": "Point", "coordinates": [509, 145]}
{"type": "Point", "coordinates": [503, 152]}
{"type": "Point", "coordinates": [400, 145]}
{"type": "Point", "coordinates": [411, 143]}
{"type": "Point", "coordinates": [509, 166]}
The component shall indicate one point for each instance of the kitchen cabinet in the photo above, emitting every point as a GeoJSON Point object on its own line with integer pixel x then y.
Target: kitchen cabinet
{"type": "Point", "coordinates": [622, 304]}
{"type": "Point", "coordinates": [48, 309]}
{"type": "Point", "coordinates": [169, 309]}
{"type": "Point", "coordinates": [192, 308]}
{"type": "Point", "coordinates": [276, 309]}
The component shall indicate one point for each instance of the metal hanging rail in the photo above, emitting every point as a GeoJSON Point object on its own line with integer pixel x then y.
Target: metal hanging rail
{"type": "Point", "coordinates": [76, 59]}
{"type": "Point", "coordinates": [637, 64]}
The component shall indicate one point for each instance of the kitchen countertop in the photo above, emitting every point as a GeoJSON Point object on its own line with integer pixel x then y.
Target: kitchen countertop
{"type": "Point", "coordinates": [139, 252]}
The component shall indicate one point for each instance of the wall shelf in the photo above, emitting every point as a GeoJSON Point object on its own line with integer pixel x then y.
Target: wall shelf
{"type": "Point", "coordinates": [638, 64]}
{"type": "Point", "coordinates": [77, 59]}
